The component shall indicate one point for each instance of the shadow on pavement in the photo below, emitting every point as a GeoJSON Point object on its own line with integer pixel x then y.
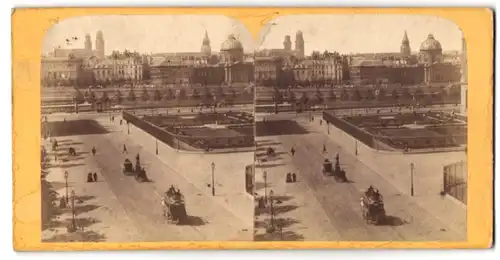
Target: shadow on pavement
{"type": "Point", "coordinates": [72, 127]}
{"type": "Point", "coordinates": [50, 211]}
{"type": "Point", "coordinates": [392, 221]}
{"type": "Point", "coordinates": [279, 127]}
{"type": "Point", "coordinates": [193, 221]}
{"type": "Point", "coordinates": [79, 236]}
{"type": "Point", "coordinates": [278, 209]}
{"type": "Point", "coordinates": [85, 208]}
{"type": "Point", "coordinates": [266, 166]}
{"type": "Point", "coordinates": [277, 236]}
{"type": "Point", "coordinates": [85, 222]}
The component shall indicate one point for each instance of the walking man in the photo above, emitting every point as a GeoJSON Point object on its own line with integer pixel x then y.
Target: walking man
{"type": "Point", "coordinates": [124, 148]}
{"type": "Point", "coordinates": [324, 148]}
{"type": "Point", "coordinates": [95, 176]}
{"type": "Point", "coordinates": [292, 151]}
{"type": "Point", "coordinates": [93, 151]}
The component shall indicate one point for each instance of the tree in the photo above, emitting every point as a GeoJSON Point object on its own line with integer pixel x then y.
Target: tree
{"type": "Point", "coordinates": [319, 96]}
{"type": "Point", "coordinates": [207, 95]}
{"type": "Point", "coordinates": [291, 97]}
{"type": "Point", "coordinates": [169, 94]}
{"type": "Point", "coordinates": [357, 95]}
{"type": "Point", "coordinates": [344, 96]}
{"type": "Point", "coordinates": [157, 95]}
{"type": "Point", "coordinates": [304, 98]}
{"type": "Point", "coordinates": [395, 94]}
{"type": "Point", "coordinates": [381, 94]}
{"type": "Point", "coordinates": [105, 98]}
{"type": "Point", "coordinates": [145, 95]}
{"type": "Point", "coordinates": [369, 94]}
{"type": "Point", "coordinates": [195, 94]}
{"type": "Point", "coordinates": [91, 97]}
{"type": "Point", "coordinates": [131, 95]}
{"type": "Point", "coordinates": [332, 95]}
{"type": "Point", "coordinates": [118, 97]}
{"type": "Point", "coordinates": [78, 96]}
{"type": "Point", "coordinates": [182, 95]}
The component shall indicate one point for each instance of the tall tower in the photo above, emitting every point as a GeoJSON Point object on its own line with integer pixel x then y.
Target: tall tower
{"type": "Point", "coordinates": [287, 44]}
{"type": "Point", "coordinates": [299, 45]}
{"type": "Point", "coordinates": [88, 43]}
{"type": "Point", "coordinates": [205, 46]}
{"type": "Point", "coordinates": [99, 45]}
{"type": "Point", "coordinates": [405, 45]}
{"type": "Point", "coordinates": [464, 82]}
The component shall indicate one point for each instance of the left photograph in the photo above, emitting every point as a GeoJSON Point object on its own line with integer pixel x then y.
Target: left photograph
{"type": "Point", "coordinates": [147, 129]}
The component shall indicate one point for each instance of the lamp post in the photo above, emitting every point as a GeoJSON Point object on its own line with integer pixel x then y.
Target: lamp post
{"type": "Point", "coordinates": [271, 194]}
{"type": "Point", "coordinates": [128, 127]}
{"type": "Point", "coordinates": [66, 180]}
{"type": "Point", "coordinates": [156, 146]}
{"type": "Point", "coordinates": [328, 127]}
{"type": "Point", "coordinates": [265, 185]}
{"type": "Point", "coordinates": [356, 147]}
{"type": "Point", "coordinates": [213, 179]}
{"type": "Point", "coordinates": [412, 169]}
{"type": "Point", "coordinates": [72, 227]}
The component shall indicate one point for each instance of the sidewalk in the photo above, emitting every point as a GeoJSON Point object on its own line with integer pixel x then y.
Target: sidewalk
{"type": "Point", "coordinates": [395, 168]}
{"type": "Point", "coordinates": [300, 213]}
{"type": "Point", "coordinates": [98, 213]}
{"type": "Point", "coordinates": [229, 171]}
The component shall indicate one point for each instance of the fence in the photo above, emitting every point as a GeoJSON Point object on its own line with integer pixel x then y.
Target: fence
{"type": "Point", "coordinates": [455, 181]}
{"type": "Point", "coordinates": [354, 131]}
{"type": "Point", "coordinates": [189, 140]}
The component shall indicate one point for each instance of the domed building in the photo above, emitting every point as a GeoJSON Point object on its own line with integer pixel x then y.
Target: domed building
{"type": "Point", "coordinates": [231, 50]}
{"type": "Point", "coordinates": [430, 51]}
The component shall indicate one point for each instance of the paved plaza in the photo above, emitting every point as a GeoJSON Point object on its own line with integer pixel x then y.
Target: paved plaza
{"type": "Point", "coordinates": [319, 208]}
{"type": "Point", "coordinates": [117, 208]}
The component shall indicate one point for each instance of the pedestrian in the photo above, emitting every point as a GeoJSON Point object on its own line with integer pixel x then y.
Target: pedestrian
{"type": "Point", "coordinates": [93, 151]}
{"type": "Point", "coordinates": [124, 148]}
{"type": "Point", "coordinates": [320, 122]}
{"type": "Point", "coordinates": [121, 121]}
{"type": "Point", "coordinates": [55, 157]}
{"type": "Point", "coordinates": [292, 151]}
{"type": "Point", "coordinates": [95, 176]}
{"type": "Point", "coordinates": [294, 177]}
{"type": "Point", "coordinates": [89, 177]}
{"type": "Point", "coordinates": [324, 148]}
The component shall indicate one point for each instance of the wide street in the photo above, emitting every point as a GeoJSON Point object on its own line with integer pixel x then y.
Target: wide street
{"type": "Point", "coordinates": [126, 210]}
{"type": "Point", "coordinates": [316, 207]}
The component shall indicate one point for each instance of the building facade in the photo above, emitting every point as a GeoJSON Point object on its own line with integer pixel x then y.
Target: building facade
{"type": "Point", "coordinates": [64, 71]}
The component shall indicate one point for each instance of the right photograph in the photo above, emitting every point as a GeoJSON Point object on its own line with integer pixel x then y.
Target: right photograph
{"type": "Point", "coordinates": [361, 129]}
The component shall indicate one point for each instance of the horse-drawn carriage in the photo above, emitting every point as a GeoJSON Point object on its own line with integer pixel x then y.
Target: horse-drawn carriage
{"type": "Point", "coordinates": [372, 207]}
{"type": "Point", "coordinates": [138, 172]}
{"type": "Point", "coordinates": [270, 151]}
{"type": "Point", "coordinates": [337, 173]}
{"type": "Point", "coordinates": [174, 206]}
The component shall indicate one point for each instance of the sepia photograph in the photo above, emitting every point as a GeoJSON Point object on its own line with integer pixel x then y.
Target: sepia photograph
{"type": "Point", "coordinates": [361, 129]}
{"type": "Point", "coordinates": [147, 129]}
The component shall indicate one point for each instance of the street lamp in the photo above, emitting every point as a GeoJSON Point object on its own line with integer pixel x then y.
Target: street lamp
{"type": "Point", "coordinates": [66, 179]}
{"type": "Point", "coordinates": [412, 169]}
{"type": "Point", "coordinates": [328, 127]}
{"type": "Point", "coordinates": [271, 194]}
{"type": "Point", "coordinates": [73, 213]}
{"type": "Point", "coordinates": [356, 147]}
{"type": "Point", "coordinates": [128, 127]}
{"type": "Point", "coordinates": [156, 146]}
{"type": "Point", "coordinates": [265, 185]}
{"type": "Point", "coordinates": [213, 179]}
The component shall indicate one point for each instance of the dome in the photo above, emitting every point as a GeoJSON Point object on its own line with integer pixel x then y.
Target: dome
{"type": "Point", "coordinates": [231, 44]}
{"type": "Point", "coordinates": [430, 44]}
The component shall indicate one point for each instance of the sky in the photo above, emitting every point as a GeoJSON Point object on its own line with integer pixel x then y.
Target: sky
{"type": "Point", "coordinates": [184, 33]}
{"type": "Point", "coordinates": [148, 33]}
{"type": "Point", "coordinates": [361, 33]}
